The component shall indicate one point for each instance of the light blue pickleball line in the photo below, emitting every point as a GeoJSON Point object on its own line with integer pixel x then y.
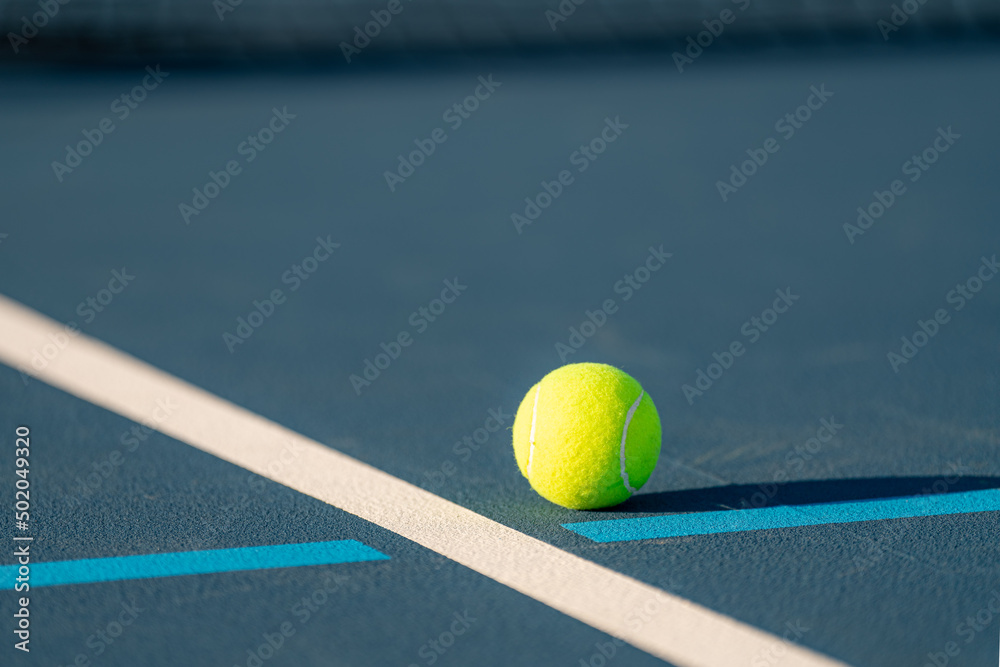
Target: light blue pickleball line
{"type": "Point", "coordinates": [785, 516]}
{"type": "Point", "coordinates": [92, 570]}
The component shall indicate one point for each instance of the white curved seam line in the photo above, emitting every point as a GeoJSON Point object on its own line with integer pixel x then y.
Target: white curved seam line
{"type": "Point", "coordinates": [531, 436]}
{"type": "Point", "coordinates": [628, 418]}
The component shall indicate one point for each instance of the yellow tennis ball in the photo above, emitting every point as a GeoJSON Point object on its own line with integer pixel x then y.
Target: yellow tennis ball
{"type": "Point", "coordinates": [587, 436]}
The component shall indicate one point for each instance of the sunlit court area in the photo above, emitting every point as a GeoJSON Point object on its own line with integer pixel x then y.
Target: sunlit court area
{"type": "Point", "coordinates": [487, 333]}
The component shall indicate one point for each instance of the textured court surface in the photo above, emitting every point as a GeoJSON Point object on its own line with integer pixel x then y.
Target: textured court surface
{"type": "Point", "coordinates": [813, 402]}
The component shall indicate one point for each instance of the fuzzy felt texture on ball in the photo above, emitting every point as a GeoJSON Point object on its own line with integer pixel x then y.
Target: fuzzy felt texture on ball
{"type": "Point", "coordinates": [587, 436]}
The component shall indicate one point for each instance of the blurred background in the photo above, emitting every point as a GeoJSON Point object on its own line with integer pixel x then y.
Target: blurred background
{"type": "Point", "coordinates": [257, 30]}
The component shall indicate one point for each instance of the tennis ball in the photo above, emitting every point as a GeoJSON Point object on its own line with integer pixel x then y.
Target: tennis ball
{"type": "Point", "coordinates": [587, 436]}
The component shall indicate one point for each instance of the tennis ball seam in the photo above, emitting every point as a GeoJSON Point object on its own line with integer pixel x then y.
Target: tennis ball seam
{"type": "Point", "coordinates": [628, 420]}
{"type": "Point", "coordinates": [531, 434]}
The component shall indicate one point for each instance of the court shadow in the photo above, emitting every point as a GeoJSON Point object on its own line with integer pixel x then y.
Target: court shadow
{"type": "Point", "coordinates": [747, 496]}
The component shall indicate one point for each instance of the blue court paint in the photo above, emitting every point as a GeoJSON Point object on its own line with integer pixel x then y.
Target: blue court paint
{"type": "Point", "coordinates": [191, 562]}
{"type": "Point", "coordinates": [785, 516]}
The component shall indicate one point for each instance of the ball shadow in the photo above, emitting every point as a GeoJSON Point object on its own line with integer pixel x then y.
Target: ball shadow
{"type": "Point", "coordinates": [748, 496]}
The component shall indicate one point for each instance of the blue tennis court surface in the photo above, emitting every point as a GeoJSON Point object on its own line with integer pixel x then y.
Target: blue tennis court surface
{"type": "Point", "coordinates": [830, 472]}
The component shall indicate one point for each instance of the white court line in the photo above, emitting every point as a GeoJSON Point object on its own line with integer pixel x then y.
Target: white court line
{"type": "Point", "coordinates": [678, 631]}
